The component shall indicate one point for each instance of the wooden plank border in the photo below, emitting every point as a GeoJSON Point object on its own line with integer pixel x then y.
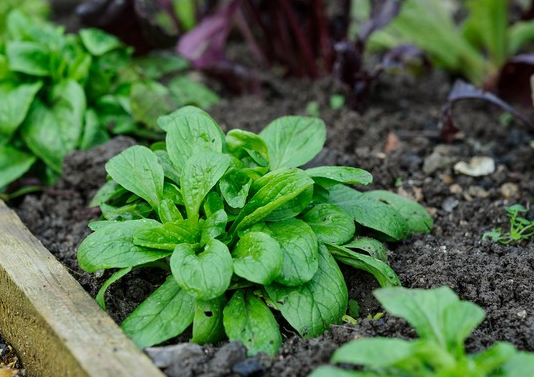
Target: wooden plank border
{"type": "Point", "coordinates": [56, 327]}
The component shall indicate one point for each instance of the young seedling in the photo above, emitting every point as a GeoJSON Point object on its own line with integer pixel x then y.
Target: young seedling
{"type": "Point", "coordinates": [443, 322]}
{"type": "Point", "coordinates": [521, 229]}
{"type": "Point", "coordinates": [242, 230]}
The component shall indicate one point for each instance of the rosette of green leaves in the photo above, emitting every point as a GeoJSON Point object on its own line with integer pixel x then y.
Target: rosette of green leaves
{"type": "Point", "coordinates": [242, 229]}
{"type": "Point", "coordinates": [63, 92]}
{"type": "Point", "coordinates": [443, 323]}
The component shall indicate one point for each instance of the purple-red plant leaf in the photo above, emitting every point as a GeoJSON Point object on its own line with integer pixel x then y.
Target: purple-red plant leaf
{"type": "Point", "coordinates": [513, 83]}
{"type": "Point", "coordinates": [462, 91]}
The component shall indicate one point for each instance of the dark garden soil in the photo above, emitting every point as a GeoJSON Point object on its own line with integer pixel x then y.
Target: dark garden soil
{"type": "Point", "coordinates": [397, 141]}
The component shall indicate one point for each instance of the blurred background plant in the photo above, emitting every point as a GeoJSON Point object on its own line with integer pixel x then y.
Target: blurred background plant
{"type": "Point", "coordinates": [61, 92]}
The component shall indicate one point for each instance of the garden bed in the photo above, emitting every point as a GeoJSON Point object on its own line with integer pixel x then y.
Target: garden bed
{"type": "Point", "coordinates": [397, 140]}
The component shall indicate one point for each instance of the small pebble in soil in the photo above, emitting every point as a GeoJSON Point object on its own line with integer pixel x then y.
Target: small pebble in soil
{"type": "Point", "coordinates": [248, 368]}
{"type": "Point", "coordinates": [449, 204]}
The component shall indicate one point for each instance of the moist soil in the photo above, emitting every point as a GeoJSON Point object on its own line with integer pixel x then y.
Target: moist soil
{"type": "Point", "coordinates": [397, 140]}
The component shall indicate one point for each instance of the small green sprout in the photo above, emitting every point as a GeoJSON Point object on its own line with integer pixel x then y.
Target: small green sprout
{"type": "Point", "coordinates": [521, 229]}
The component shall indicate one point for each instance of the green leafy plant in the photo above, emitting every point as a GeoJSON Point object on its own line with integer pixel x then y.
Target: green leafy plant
{"type": "Point", "coordinates": [477, 48]}
{"type": "Point", "coordinates": [443, 322]}
{"type": "Point", "coordinates": [62, 92]}
{"type": "Point", "coordinates": [521, 229]}
{"type": "Point", "coordinates": [242, 230]}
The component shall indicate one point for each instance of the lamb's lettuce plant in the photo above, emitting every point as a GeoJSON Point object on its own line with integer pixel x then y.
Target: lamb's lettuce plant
{"type": "Point", "coordinates": [242, 230]}
{"type": "Point", "coordinates": [62, 92]}
{"type": "Point", "coordinates": [521, 229]}
{"type": "Point", "coordinates": [443, 322]}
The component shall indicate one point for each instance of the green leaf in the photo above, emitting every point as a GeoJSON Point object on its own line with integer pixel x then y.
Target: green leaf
{"type": "Point", "coordinates": [14, 107]}
{"type": "Point", "coordinates": [112, 246]}
{"type": "Point", "coordinates": [369, 212]}
{"type": "Point", "coordinates": [300, 251]}
{"type": "Point", "coordinates": [213, 226]}
{"type": "Point", "coordinates": [519, 34]}
{"type": "Point", "coordinates": [271, 192]}
{"type": "Point", "coordinates": [293, 207]}
{"type": "Point", "coordinates": [330, 223]}
{"type": "Point", "coordinates": [167, 236]}
{"type": "Point", "coordinates": [189, 131]}
{"type": "Point", "coordinates": [98, 42]}
{"type": "Point", "coordinates": [433, 313]}
{"type": "Point", "coordinates": [374, 352]}
{"type": "Point", "coordinates": [313, 307]}
{"type": "Point", "coordinates": [494, 357]}
{"type": "Point", "coordinates": [330, 371]}
{"type": "Point", "coordinates": [327, 176]}
{"type": "Point", "coordinates": [374, 248]}
{"type": "Point", "coordinates": [201, 173]}
{"type": "Point", "coordinates": [158, 64]}
{"type": "Point", "coordinates": [206, 275]}
{"type": "Point", "coordinates": [382, 272]}
{"type": "Point", "coordinates": [294, 140]}
{"type": "Point", "coordinates": [100, 297]}
{"type": "Point", "coordinates": [244, 144]}
{"type": "Point", "coordinates": [208, 321]}
{"type": "Point", "coordinates": [257, 258]}
{"type": "Point", "coordinates": [416, 216]}
{"type": "Point", "coordinates": [248, 319]}
{"type": "Point", "coordinates": [149, 100]}
{"type": "Point", "coordinates": [93, 133]}
{"type": "Point", "coordinates": [28, 57]}
{"type": "Point", "coordinates": [234, 186]}
{"type": "Point", "coordinates": [165, 314]}
{"type": "Point", "coordinates": [189, 92]}
{"type": "Point", "coordinates": [13, 164]}
{"type": "Point", "coordinates": [522, 364]}
{"type": "Point", "coordinates": [137, 170]}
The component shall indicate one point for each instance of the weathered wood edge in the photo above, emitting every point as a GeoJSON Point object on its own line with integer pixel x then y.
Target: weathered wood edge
{"type": "Point", "coordinates": [54, 324]}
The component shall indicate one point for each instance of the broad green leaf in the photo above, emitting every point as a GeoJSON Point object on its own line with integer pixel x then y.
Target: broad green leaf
{"type": "Point", "coordinates": [13, 164]}
{"type": "Point", "coordinates": [31, 58]}
{"type": "Point", "coordinates": [257, 258]}
{"type": "Point", "coordinates": [247, 144]}
{"type": "Point", "coordinates": [330, 223]}
{"type": "Point", "coordinates": [459, 321]}
{"type": "Point", "coordinates": [158, 64]}
{"type": "Point", "coordinates": [112, 246]}
{"type": "Point", "coordinates": [42, 134]}
{"type": "Point", "coordinates": [189, 131]}
{"type": "Point", "coordinates": [248, 319]}
{"type": "Point", "coordinates": [213, 226]}
{"type": "Point", "coordinates": [518, 34]}
{"type": "Point", "coordinates": [374, 352]}
{"type": "Point", "coordinates": [168, 212]}
{"type": "Point", "coordinates": [100, 297]}
{"type": "Point", "coordinates": [271, 192]}
{"type": "Point", "coordinates": [300, 251]}
{"type": "Point", "coordinates": [137, 170]}
{"type": "Point", "coordinates": [206, 275]}
{"type": "Point", "coordinates": [165, 314]}
{"type": "Point", "coordinates": [416, 216]}
{"type": "Point", "coordinates": [382, 272]}
{"type": "Point", "coordinates": [293, 140]}
{"type": "Point", "coordinates": [208, 321]}
{"type": "Point", "coordinates": [201, 173]}
{"type": "Point", "coordinates": [234, 186]}
{"type": "Point", "coordinates": [331, 175]}
{"type": "Point", "coordinates": [189, 92]}
{"type": "Point", "coordinates": [369, 212]}
{"type": "Point", "coordinates": [14, 107]}
{"type": "Point", "coordinates": [494, 357]}
{"type": "Point", "coordinates": [98, 42]}
{"type": "Point", "coordinates": [167, 236]}
{"type": "Point", "coordinates": [486, 28]}
{"type": "Point", "coordinates": [149, 100]}
{"type": "Point", "coordinates": [522, 364]}
{"type": "Point", "coordinates": [293, 207]}
{"type": "Point", "coordinates": [93, 133]}
{"type": "Point", "coordinates": [169, 170]}
{"type": "Point", "coordinates": [313, 307]}
{"type": "Point", "coordinates": [424, 310]}
{"type": "Point", "coordinates": [374, 248]}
